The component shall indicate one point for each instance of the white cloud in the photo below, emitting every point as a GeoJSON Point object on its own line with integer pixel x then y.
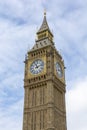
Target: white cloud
{"type": "Point", "coordinates": [11, 117]}
{"type": "Point", "coordinates": [18, 22]}
{"type": "Point", "coordinates": [76, 96]}
{"type": "Point", "coordinates": [77, 104]}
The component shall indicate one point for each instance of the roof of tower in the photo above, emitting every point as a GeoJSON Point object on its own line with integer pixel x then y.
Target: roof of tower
{"type": "Point", "coordinates": [44, 41]}
{"type": "Point", "coordinates": [44, 25]}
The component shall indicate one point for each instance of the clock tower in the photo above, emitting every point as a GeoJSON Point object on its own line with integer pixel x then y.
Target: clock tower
{"type": "Point", "coordinates": [44, 84]}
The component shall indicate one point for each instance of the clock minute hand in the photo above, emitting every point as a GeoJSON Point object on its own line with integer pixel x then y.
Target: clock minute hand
{"type": "Point", "coordinates": [36, 66]}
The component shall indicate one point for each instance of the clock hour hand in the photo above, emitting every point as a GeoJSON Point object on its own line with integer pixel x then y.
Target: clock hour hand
{"type": "Point", "coordinates": [36, 66]}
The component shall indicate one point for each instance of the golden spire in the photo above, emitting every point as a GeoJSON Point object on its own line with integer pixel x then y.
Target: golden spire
{"type": "Point", "coordinates": [44, 30]}
{"type": "Point", "coordinates": [44, 25]}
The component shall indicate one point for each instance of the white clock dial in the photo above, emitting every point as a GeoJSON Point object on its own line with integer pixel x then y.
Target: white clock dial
{"type": "Point", "coordinates": [37, 66]}
{"type": "Point", "coordinates": [59, 69]}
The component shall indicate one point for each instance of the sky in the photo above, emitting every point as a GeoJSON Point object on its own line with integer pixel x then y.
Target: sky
{"type": "Point", "coordinates": [19, 22]}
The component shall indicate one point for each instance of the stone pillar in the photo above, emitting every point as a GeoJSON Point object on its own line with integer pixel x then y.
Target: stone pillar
{"type": "Point", "coordinates": [50, 106]}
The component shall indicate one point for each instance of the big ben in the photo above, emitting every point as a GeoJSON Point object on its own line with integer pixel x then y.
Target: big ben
{"type": "Point", "coordinates": [44, 84]}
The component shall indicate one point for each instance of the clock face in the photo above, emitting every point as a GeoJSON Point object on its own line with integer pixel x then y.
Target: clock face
{"type": "Point", "coordinates": [37, 66]}
{"type": "Point", "coordinates": [59, 70]}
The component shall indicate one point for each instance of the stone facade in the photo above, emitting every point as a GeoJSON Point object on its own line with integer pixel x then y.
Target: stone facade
{"type": "Point", "coordinates": [44, 101]}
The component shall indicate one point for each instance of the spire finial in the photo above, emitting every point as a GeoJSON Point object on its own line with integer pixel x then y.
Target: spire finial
{"type": "Point", "coordinates": [44, 12]}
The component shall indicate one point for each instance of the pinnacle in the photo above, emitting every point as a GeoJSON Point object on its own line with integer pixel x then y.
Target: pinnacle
{"type": "Point", "coordinates": [44, 25]}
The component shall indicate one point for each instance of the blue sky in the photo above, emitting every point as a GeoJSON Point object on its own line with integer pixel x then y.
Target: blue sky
{"type": "Point", "coordinates": [19, 20]}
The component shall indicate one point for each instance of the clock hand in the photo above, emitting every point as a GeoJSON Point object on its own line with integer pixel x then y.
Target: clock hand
{"type": "Point", "coordinates": [37, 66]}
{"type": "Point", "coordinates": [59, 69]}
